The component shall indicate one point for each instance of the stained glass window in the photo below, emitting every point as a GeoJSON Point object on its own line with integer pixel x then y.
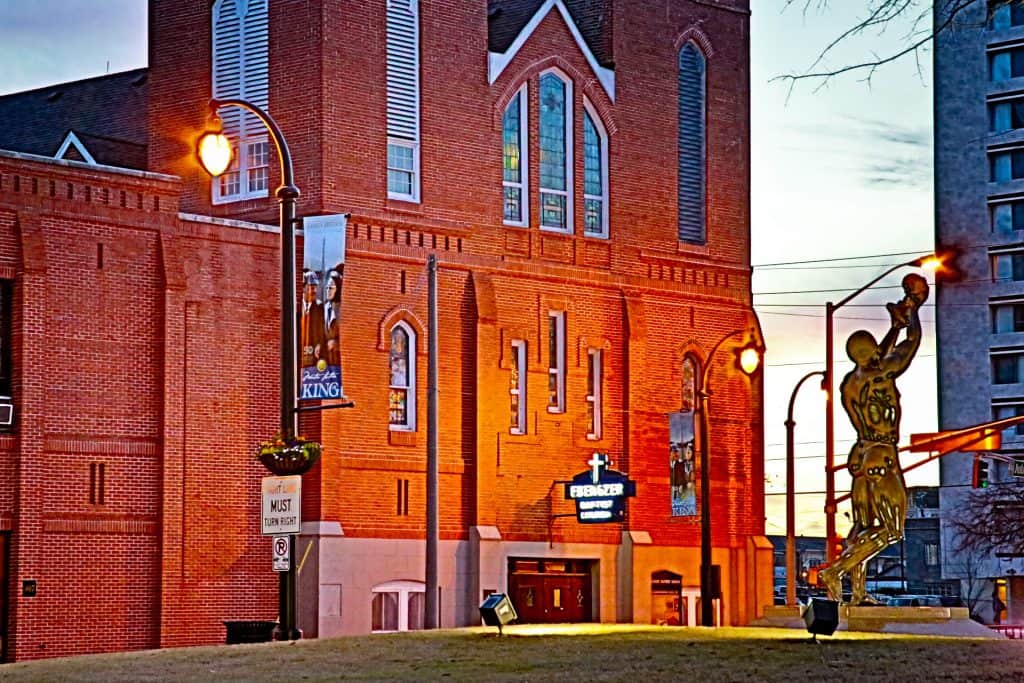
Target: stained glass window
{"type": "Point", "coordinates": [689, 387]}
{"type": "Point", "coordinates": [401, 395]}
{"type": "Point", "coordinates": [553, 152]}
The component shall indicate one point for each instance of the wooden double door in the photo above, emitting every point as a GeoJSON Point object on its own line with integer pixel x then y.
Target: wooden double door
{"type": "Point", "coordinates": [551, 597]}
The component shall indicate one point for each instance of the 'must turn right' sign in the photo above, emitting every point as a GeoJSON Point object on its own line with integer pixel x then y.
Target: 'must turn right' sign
{"type": "Point", "coordinates": [281, 505]}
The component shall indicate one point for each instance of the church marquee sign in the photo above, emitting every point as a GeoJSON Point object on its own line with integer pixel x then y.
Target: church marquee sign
{"type": "Point", "coordinates": [600, 493]}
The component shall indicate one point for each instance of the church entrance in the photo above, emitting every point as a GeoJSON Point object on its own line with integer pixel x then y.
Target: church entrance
{"type": "Point", "coordinates": [551, 591]}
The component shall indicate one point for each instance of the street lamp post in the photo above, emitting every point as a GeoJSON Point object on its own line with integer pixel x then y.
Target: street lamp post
{"type": "Point", "coordinates": [791, 492]}
{"type": "Point", "coordinates": [748, 358]}
{"type": "Point", "coordinates": [930, 261]}
{"type": "Point", "coordinates": [215, 155]}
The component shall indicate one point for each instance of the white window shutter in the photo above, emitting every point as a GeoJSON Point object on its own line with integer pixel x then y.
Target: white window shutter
{"type": "Point", "coordinates": [255, 61]}
{"type": "Point", "coordinates": [403, 87]}
{"type": "Point", "coordinates": [240, 63]}
{"type": "Point", "coordinates": [227, 61]}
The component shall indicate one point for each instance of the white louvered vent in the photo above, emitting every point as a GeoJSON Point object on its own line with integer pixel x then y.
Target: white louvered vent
{"type": "Point", "coordinates": [241, 70]}
{"type": "Point", "coordinates": [692, 150]}
{"type": "Point", "coordinates": [403, 81]}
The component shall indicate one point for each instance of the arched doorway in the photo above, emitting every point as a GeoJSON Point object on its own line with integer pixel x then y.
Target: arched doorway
{"type": "Point", "coordinates": [668, 604]}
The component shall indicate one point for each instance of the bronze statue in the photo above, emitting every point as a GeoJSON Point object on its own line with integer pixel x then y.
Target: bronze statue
{"type": "Point", "coordinates": [872, 401]}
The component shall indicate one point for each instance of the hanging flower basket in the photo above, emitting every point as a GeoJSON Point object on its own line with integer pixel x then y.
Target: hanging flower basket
{"type": "Point", "coordinates": [286, 455]}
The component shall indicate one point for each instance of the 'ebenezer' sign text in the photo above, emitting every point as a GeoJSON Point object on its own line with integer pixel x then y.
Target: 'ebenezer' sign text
{"type": "Point", "coordinates": [600, 493]}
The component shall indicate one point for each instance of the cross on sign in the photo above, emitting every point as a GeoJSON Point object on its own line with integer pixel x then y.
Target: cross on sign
{"type": "Point", "coordinates": [597, 461]}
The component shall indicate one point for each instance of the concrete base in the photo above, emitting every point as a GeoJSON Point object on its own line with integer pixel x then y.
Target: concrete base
{"type": "Point", "coordinates": [927, 621]}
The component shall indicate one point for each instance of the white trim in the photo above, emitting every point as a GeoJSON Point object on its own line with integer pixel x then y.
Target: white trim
{"type": "Point", "coordinates": [498, 61]}
{"type": "Point", "coordinates": [524, 159]}
{"type": "Point", "coordinates": [519, 357]}
{"type": "Point", "coordinates": [404, 589]}
{"type": "Point", "coordinates": [229, 222]}
{"type": "Point", "coordinates": [71, 140]}
{"type": "Point", "coordinates": [602, 134]}
{"type": "Point", "coordinates": [410, 372]}
{"type": "Point", "coordinates": [414, 196]}
{"type": "Point", "coordinates": [570, 157]}
{"type": "Point", "coordinates": [71, 163]}
{"type": "Point", "coordinates": [559, 368]}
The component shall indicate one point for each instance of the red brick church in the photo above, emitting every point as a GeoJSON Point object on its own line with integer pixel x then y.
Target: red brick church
{"type": "Point", "coordinates": [581, 170]}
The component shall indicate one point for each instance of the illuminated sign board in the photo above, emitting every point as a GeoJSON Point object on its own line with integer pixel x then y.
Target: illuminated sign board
{"type": "Point", "coordinates": [600, 493]}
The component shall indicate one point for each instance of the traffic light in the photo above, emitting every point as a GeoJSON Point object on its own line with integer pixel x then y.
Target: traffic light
{"type": "Point", "coordinates": [838, 543]}
{"type": "Point", "coordinates": [979, 479]}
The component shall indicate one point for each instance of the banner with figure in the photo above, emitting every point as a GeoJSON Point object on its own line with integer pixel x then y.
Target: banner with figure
{"type": "Point", "coordinates": [323, 271]}
{"type": "Point", "coordinates": [681, 463]}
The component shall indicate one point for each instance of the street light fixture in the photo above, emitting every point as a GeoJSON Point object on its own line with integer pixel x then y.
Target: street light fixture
{"type": "Point", "coordinates": [214, 151]}
{"type": "Point", "coordinates": [748, 360]}
{"type": "Point", "coordinates": [936, 262]}
{"type": "Point", "coordinates": [791, 491]}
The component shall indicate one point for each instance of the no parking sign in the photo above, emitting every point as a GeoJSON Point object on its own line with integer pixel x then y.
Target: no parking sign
{"type": "Point", "coordinates": [282, 555]}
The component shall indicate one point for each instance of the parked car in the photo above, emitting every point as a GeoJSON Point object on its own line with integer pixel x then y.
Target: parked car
{"type": "Point", "coordinates": [914, 601]}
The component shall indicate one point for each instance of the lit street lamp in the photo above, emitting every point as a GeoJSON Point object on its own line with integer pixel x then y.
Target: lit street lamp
{"type": "Point", "coordinates": [791, 491]}
{"type": "Point", "coordinates": [933, 262]}
{"type": "Point", "coordinates": [748, 360]}
{"type": "Point", "coordinates": [214, 151]}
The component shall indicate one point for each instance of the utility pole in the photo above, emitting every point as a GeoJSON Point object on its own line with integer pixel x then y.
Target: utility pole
{"type": "Point", "coordinates": [431, 607]}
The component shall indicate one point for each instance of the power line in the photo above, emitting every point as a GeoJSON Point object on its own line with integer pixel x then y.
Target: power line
{"type": "Point", "coordinates": [841, 258]}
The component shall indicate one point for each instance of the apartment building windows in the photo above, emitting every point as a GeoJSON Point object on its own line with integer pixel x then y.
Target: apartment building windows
{"type": "Point", "coordinates": [1013, 407]}
{"type": "Point", "coordinates": [1003, 15]}
{"type": "Point", "coordinates": [1007, 368]}
{"type": "Point", "coordinates": [1007, 317]}
{"type": "Point", "coordinates": [1004, 115]}
{"type": "Point", "coordinates": [1008, 267]}
{"type": "Point", "coordinates": [1007, 216]}
{"type": "Point", "coordinates": [1004, 64]}
{"type": "Point", "coordinates": [1006, 165]}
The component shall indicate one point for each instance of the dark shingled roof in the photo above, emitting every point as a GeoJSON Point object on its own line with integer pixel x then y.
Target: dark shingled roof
{"type": "Point", "coordinates": [106, 113]}
{"type": "Point", "coordinates": [506, 18]}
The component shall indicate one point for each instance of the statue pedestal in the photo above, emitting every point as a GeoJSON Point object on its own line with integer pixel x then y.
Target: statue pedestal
{"type": "Point", "coordinates": [930, 621]}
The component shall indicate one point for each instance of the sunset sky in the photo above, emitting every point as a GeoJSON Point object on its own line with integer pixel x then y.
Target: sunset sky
{"type": "Point", "coordinates": [839, 171]}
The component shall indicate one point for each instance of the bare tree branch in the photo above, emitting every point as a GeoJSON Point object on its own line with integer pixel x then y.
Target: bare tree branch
{"type": "Point", "coordinates": [991, 520]}
{"type": "Point", "coordinates": [881, 15]}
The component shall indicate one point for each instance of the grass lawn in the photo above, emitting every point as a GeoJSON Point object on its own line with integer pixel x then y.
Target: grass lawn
{"type": "Point", "coordinates": [580, 653]}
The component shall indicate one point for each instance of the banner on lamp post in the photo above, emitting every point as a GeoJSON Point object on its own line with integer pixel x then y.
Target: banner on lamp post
{"type": "Point", "coordinates": [682, 459]}
{"type": "Point", "coordinates": [323, 271]}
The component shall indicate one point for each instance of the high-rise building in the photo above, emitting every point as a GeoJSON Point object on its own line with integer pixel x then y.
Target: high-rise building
{"type": "Point", "coordinates": [979, 200]}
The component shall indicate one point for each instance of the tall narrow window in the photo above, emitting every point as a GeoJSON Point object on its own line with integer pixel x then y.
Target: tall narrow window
{"type": "Point", "coordinates": [595, 176]}
{"type": "Point", "coordinates": [555, 153]}
{"type": "Point", "coordinates": [556, 362]}
{"type": "Point", "coordinates": [692, 146]}
{"type": "Point", "coordinates": [514, 154]}
{"type": "Point", "coordinates": [689, 384]}
{"type": "Point", "coordinates": [402, 392]}
{"type": "Point", "coordinates": [240, 70]}
{"type": "Point", "coordinates": [517, 388]}
{"type": "Point", "coordinates": [403, 97]}
{"type": "Point", "coordinates": [595, 375]}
